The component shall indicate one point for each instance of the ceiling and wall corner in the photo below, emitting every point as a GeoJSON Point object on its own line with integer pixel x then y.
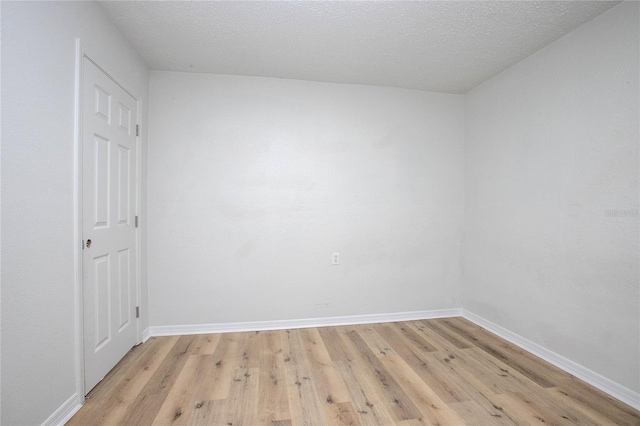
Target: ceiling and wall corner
{"type": "Point", "coordinates": [439, 46]}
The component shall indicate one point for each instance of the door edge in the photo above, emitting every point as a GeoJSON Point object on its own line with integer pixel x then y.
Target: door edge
{"type": "Point", "coordinates": [77, 219]}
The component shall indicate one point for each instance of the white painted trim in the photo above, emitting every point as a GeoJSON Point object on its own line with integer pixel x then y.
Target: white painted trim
{"type": "Point", "coordinates": [64, 413]}
{"type": "Point", "coordinates": [606, 385]}
{"type": "Point", "coordinates": [77, 219]}
{"type": "Point", "coordinates": [146, 334]}
{"type": "Point", "coordinates": [173, 330]}
{"type": "Point", "coordinates": [138, 208]}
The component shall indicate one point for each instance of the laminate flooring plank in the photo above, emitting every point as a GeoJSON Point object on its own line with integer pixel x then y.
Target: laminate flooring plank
{"type": "Point", "coordinates": [456, 366]}
{"type": "Point", "coordinates": [435, 327]}
{"type": "Point", "coordinates": [474, 413]}
{"type": "Point", "coordinates": [434, 410]}
{"type": "Point", "coordinates": [111, 398]}
{"type": "Point", "coordinates": [538, 411]}
{"type": "Point", "coordinates": [225, 362]}
{"type": "Point", "coordinates": [482, 390]}
{"type": "Point", "coordinates": [582, 392]}
{"type": "Point", "coordinates": [330, 385]}
{"type": "Point", "coordinates": [304, 401]}
{"type": "Point", "coordinates": [442, 343]}
{"type": "Point", "coordinates": [197, 414]}
{"type": "Point", "coordinates": [322, 367]}
{"type": "Point", "coordinates": [451, 367]}
{"type": "Point", "coordinates": [593, 413]}
{"type": "Point", "coordinates": [374, 340]}
{"type": "Point", "coordinates": [152, 396]}
{"type": "Point", "coordinates": [202, 378]}
{"type": "Point", "coordinates": [273, 398]}
{"type": "Point", "coordinates": [240, 408]}
{"type": "Point", "coordinates": [483, 377]}
{"type": "Point", "coordinates": [336, 348]}
{"type": "Point", "coordinates": [190, 391]}
{"type": "Point", "coordinates": [412, 422]}
{"type": "Point", "coordinates": [106, 394]}
{"type": "Point", "coordinates": [555, 407]}
{"type": "Point", "coordinates": [184, 396]}
{"type": "Point", "coordinates": [210, 413]}
{"type": "Point", "coordinates": [344, 414]}
{"type": "Point", "coordinates": [369, 407]}
{"type": "Point", "coordinates": [124, 367]}
{"type": "Point", "coordinates": [400, 405]}
{"type": "Point", "coordinates": [494, 374]}
{"type": "Point", "coordinates": [399, 341]}
{"type": "Point", "coordinates": [205, 344]}
{"type": "Point", "coordinates": [519, 411]}
{"type": "Point", "coordinates": [446, 389]}
{"type": "Point", "coordinates": [209, 377]}
{"type": "Point", "coordinates": [418, 341]}
{"type": "Point", "coordinates": [417, 390]}
{"type": "Point", "coordinates": [539, 371]}
{"type": "Point", "coordinates": [250, 350]}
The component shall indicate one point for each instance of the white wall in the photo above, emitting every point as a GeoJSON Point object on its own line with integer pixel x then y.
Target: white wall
{"type": "Point", "coordinates": [254, 182]}
{"type": "Point", "coordinates": [551, 218]}
{"type": "Point", "coordinates": [38, 323]}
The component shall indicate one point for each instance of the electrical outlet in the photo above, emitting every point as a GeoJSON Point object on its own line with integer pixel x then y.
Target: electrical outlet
{"type": "Point", "coordinates": [335, 260]}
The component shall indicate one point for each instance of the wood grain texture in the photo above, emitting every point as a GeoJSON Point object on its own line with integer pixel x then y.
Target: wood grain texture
{"type": "Point", "coordinates": [433, 372]}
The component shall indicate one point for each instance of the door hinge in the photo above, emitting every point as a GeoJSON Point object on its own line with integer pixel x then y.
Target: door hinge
{"type": "Point", "coordinates": [136, 221]}
{"type": "Point", "coordinates": [137, 311]}
{"type": "Point", "coordinates": [137, 130]}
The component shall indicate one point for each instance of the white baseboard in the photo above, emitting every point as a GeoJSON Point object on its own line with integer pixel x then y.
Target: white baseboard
{"type": "Point", "coordinates": [173, 330]}
{"type": "Point", "coordinates": [146, 334]}
{"type": "Point", "coordinates": [64, 412]}
{"type": "Point", "coordinates": [608, 386]}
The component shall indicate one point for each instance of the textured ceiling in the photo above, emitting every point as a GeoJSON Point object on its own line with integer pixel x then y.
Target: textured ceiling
{"type": "Point", "coordinates": [442, 46]}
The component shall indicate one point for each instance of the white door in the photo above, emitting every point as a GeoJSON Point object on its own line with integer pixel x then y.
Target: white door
{"type": "Point", "coordinates": [109, 120]}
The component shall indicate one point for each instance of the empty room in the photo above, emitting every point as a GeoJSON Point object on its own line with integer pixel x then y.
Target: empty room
{"type": "Point", "coordinates": [323, 213]}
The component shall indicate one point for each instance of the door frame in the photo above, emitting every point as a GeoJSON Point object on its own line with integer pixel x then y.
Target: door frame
{"type": "Point", "coordinates": [80, 55]}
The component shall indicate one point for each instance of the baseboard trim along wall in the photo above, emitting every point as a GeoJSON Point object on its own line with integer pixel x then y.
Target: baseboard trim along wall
{"type": "Point", "coordinates": [64, 412]}
{"type": "Point", "coordinates": [179, 330]}
{"type": "Point", "coordinates": [606, 385]}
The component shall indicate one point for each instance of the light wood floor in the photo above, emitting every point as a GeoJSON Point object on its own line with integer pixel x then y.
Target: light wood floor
{"type": "Point", "coordinates": [444, 371]}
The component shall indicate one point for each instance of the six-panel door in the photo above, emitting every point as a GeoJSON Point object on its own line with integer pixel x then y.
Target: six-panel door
{"type": "Point", "coordinates": [108, 193]}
